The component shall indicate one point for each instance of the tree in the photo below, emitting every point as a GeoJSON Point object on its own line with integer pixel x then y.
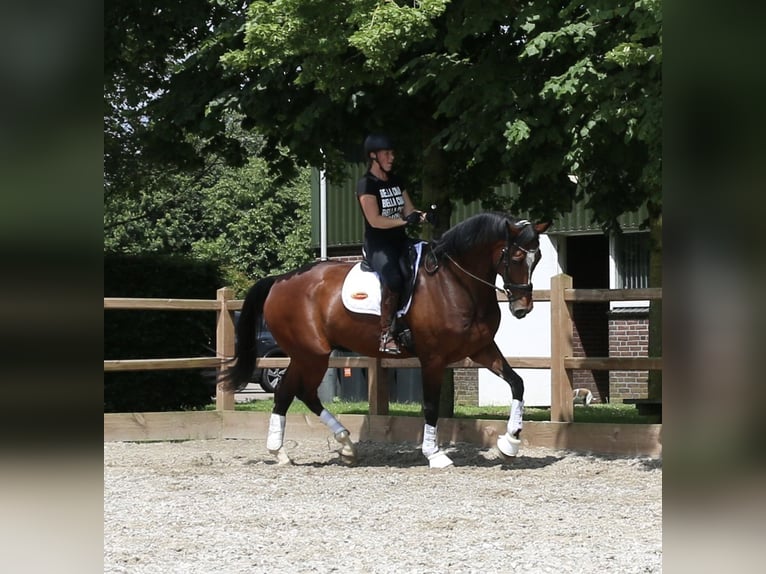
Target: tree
{"type": "Point", "coordinates": [476, 93]}
{"type": "Point", "coordinates": [148, 48]}
{"type": "Point", "coordinates": [238, 217]}
{"type": "Point", "coordinates": [597, 97]}
{"type": "Point", "coordinates": [206, 192]}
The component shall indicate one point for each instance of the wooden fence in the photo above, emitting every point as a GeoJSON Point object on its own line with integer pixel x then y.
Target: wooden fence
{"type": "Point", "coordinates": [561, 362]}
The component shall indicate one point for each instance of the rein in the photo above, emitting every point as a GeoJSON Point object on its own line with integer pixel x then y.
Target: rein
{"type": "Point", "coordinates": [508, 288]}
{"type": "Point", "coordinates": [479, 279]}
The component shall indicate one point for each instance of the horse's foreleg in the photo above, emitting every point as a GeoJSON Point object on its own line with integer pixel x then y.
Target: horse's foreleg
{"type": "Point", "coordinates": [510, 442]}
{"type": "Point", "coordinates": [491, 357]}
{"type": "Point", "coordinates": [432, 382]}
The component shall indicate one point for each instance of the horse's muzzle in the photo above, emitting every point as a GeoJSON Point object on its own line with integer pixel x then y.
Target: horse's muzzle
{"type": "Point", "coordinates": [521, 312]}
{"type": "Point", "coordinates": [520, 308]}
{"type": "Point", "coordinates": [520, 305]}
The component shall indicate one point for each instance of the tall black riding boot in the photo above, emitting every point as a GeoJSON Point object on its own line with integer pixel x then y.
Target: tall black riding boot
{"type": "Point", "coordinates": [389, 304]}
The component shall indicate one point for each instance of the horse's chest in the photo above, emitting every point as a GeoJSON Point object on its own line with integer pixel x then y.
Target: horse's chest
{"type": "Point", "coordinates": [473, 332]}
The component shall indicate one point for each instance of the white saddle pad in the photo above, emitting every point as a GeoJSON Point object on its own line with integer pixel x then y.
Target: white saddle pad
{"type": "Point", "coordinates": [361, 289]}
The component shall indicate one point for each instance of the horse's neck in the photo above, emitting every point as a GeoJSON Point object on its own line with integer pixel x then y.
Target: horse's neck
{"type": "Point", "coordinates": [475, 266]}
{"type": "Point", "coordinates": [479, 262]}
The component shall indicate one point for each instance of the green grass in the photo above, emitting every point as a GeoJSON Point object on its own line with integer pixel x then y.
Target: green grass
{"type": "Point", "coordinates": [612, 413]}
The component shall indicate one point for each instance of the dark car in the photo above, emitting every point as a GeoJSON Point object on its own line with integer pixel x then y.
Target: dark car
{"type": "Point", "coordinates": [270, 377]}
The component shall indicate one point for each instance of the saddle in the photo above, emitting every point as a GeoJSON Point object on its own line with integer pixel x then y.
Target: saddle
{"type": "Point", "coordinates": [361, 290]}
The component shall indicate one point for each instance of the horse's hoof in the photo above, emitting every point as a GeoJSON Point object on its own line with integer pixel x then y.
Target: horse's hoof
{"type": "Point", "coordinates": [342, 436]}
{"type": "Point", "coordinates": [508, 446]}
{"type": "Point", "coordinates": [439, 460]}
{"type": "Point", "coordinates": [347, 451]}
{"type": "Point", "coordinates": [282, 456]}
{"type": "Point", "coordinates": [347, 460]}
{"type": "Point", "coordinates": [348, 454]}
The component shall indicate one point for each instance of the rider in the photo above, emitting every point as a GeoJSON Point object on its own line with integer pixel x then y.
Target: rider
{"type": "Point", "coordinates": [387, 210]}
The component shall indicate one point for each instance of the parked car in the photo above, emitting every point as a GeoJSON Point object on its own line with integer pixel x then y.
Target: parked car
{"type": "Point", "coordinates": [270, 377]}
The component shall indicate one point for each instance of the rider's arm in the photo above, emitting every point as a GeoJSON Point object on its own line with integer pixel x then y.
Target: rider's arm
{"type": "Point", "coordinates": [371, 211]}
{"type": "Point", "coordinates": [409, 207]}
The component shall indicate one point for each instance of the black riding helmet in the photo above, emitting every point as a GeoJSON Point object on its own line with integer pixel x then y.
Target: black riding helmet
{"type": "Point", "coordinates": [377, 142]}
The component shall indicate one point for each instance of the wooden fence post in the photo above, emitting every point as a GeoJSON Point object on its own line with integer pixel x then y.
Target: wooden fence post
{"type": "Point", "coordinates": [224, 345]}
{"type": "Point", "coordinates": [562, 409]}
{"type": "Point", "coordinates": [377, 387]}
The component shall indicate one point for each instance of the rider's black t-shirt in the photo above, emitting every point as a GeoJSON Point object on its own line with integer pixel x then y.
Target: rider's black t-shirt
{"type": "Point", "coordinates": [389, 195]}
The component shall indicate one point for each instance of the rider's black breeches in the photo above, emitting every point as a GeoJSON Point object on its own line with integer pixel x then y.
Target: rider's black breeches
{"type": "Point", "coordinates": [385, 261]}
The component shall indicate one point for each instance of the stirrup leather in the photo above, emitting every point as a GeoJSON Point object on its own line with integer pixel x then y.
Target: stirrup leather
{"type": "Point", "coordinates": [388, 344]}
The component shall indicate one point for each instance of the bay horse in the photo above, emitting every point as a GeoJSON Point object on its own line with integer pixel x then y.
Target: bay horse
{"type": "Point", "coordinates": [454, 314]}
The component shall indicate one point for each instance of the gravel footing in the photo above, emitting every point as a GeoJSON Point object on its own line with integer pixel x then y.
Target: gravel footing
{"type": "Point", "coordinates": [225, 506]}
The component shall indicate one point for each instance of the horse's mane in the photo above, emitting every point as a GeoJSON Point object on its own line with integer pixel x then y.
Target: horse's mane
{"type": "Point", "coordinates": [479, 229]}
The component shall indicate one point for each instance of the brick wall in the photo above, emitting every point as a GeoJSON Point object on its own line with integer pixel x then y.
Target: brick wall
{"type": "Point", "coordinates": [466, 387]}
{"type": "Point", "coordinates": [629, 337]}
{"type": "Point", "coordinates": [591, 339]}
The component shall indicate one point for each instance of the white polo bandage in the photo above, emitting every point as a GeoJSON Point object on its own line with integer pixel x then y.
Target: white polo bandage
{"type": "Point", "coordinates": [332, 423]}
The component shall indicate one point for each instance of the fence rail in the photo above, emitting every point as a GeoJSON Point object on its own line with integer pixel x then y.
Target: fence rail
{"type": "Point", "coordinates": [561, 362]}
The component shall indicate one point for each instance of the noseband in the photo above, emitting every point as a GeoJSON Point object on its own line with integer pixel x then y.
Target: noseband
{"type": "Point", "coordinates": [508, 287]}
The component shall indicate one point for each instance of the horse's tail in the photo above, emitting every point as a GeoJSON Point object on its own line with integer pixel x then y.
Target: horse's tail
{"type": "Point", "coordinates": [241, 372]}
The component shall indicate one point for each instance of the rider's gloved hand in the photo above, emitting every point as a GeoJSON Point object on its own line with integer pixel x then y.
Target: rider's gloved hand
{"type": "Point", "coordinates": [413, 218]}
{"type": "Point", "coordinates": [431, 216]}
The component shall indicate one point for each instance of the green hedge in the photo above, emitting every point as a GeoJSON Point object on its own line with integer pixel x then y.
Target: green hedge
{"type": "Point", "coordinates": [158, 334]}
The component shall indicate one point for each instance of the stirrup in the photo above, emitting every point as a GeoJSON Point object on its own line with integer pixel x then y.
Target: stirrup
{"type": "Point", "coordinates": [388, 345]}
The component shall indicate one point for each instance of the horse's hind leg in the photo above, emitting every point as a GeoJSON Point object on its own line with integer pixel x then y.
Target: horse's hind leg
{"type": "Point", "coordinates": [310, 378]}
{"type": "Point", "coordinates": [432, 382]}
{"type": "Point", "coordinates": [347, 449]}
{"type": "Point", "coordinates": [283, 398]}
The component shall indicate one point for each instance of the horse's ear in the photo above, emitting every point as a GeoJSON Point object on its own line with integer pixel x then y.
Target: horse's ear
{"type": "Point", "coordinates": [542, 227]}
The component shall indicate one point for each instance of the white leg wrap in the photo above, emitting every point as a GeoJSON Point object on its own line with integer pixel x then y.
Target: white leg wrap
{"type": "Point", "coordinates": [332, 423]}
{"type": "Point", "coordinates": [436, 457]}
{"type": "Point", "coordinates": [508, 444]}
{"type": "Point", "coordinates": [276, 433]}
{"type": "Point", "coordinates": [430, 443]}
{"type": "Point", "coordinates": [514, 420]}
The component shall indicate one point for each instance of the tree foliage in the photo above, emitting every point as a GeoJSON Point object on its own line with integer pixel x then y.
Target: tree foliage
{"type": "Point", "coordinates": [241, 218]}
{"type": "Point", "coordinates": [207, 192]}
{"type": "Point", "coordinates": [150, 50]}
{"type": "Point", "coordinates": [475, 93]}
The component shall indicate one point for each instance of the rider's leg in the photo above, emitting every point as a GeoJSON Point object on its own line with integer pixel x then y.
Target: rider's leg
{"type": "Point", "coordinates": [385, 261]}
{"type": "Point", "coordinates": [389, 304]}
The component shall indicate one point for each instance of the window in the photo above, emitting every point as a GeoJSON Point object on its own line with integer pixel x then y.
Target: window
{"type": "Point", "coordinates": [629, 265]}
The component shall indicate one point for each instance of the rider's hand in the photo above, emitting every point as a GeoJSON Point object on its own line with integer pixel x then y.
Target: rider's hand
{"type": "Point", "coordinates": [413, 218]}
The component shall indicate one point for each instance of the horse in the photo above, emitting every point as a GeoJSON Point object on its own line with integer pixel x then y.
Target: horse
{"type": "Point", "coordinates": [454, 314]}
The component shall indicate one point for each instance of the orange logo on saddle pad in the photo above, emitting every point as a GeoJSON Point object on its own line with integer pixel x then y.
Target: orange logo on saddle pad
{"type": "Point", "coordinates": [359, 295]}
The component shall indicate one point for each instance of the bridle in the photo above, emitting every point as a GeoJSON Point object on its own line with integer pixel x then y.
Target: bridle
{"type": "Point", "coordinates": [505, 259]}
